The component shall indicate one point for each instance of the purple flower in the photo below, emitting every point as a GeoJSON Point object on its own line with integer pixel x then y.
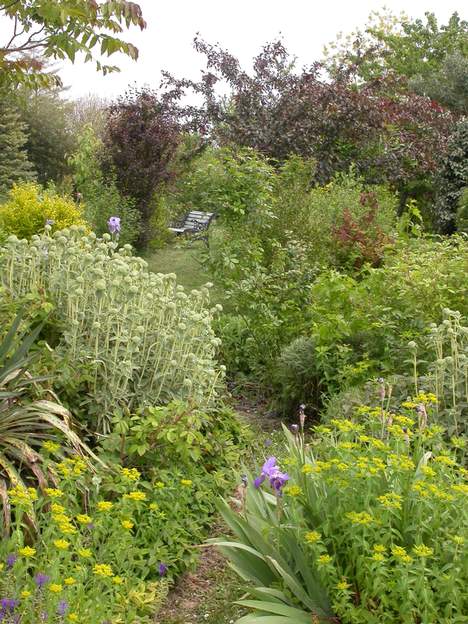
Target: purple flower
{"type": "Point", "coordinates": [114, 225]}
{"type": "Point", "coordinates": [41, 579]}
{"type": "Point", "coordinates": [271, 471]}
{"type": "Point", "coordinates": [11, 560]}
{"type": "Point", "coordinates": [162, 569]}
{"type": "Point", "coordinates": [258, 481]}
{"type": "Point", "coordinates": [8, 604]}
{"type": "Point", "coordinates": [62, 607]}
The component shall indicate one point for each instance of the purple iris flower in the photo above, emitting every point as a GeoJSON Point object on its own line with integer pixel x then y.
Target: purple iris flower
{"type": "Point", "coordinates": [114, 225]}
{"type": "Point", "coordinates": [41, 579]}
{"type": "Point", "coordinates": [271, 471]}
{"type": "Point", "coordinates": [162, 569]}
{"type": "Point", "coordinates": [11, 560]}
{"type": "Point", "coordinates": [62, 607]}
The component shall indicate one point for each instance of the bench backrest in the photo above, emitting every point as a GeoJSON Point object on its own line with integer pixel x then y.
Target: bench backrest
{"type": "Point", "coordinates": [197, 219]}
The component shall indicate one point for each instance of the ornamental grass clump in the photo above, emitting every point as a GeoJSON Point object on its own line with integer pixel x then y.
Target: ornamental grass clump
{"type": "Point", "coordinates": [371, 528]}
{"type": "Point", "coordinates": [131, 337]}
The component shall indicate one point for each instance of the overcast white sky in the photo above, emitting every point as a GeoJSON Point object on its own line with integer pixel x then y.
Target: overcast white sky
{"type": "Point", "coordinates": [241, 26]}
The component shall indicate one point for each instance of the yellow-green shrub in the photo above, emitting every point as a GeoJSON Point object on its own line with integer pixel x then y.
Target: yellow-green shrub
{"type": "Point", "coordinates": [29, 206]}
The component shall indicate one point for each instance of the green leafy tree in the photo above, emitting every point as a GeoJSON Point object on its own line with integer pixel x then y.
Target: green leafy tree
{"type": "Point", "coordinates": [391, 43]}
{"type": "Point", "coordinates": [62, 29]}
{"type": "Point", "coordinates": [14, 163]}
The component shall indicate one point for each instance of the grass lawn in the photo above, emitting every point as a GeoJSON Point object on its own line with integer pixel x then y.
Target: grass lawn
{"type": "Point", "coordinates": [185, 262]}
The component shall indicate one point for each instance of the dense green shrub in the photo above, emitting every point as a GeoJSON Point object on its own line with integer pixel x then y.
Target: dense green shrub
{"type": "Point", "coordinates": [368, 524]}
{"type": "Point", "coordinates": [125, 337]}
{"type": "Point", "coordinates": [452, 179]}
{"type": "Point", "coordinates": [462, 212]}
{"type": "Point", "coordinates": [360, 326]}
{"type": "Point", "coordinates": [101, 199]}
{"type": "Point", "coordinates": [28, 208]}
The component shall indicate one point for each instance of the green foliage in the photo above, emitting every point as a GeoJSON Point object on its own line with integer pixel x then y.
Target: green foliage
{"type": "Point", "coordinates": [448, 85]}
{"type": "Point", "coordinates": [452, 179]}
{"type": "Point", "coordinates": [414, 48]}
{"type": "Point", "coordinates": [370, 527]}
{"type": "Point", "coordinates": [60, 30]}
{"type": "Point", "coordinates": [14, 163]}
{"type": "Point", "coordinates": [28, 208]}
{"type": "Point", "coordinates": [355, 328]}
{"type": "Point", "coordinates": [126, 337]}
{"type": "Point", "coordinates": [462, 212]}
{"type": "Point", "coordinates": [231, 183]}
{"type": "Point", "coordinates": [50, 142]}
{"type": "Point", "coordinates": [25, 423]}
{"type": "Point", "coordinates": [100, 195]}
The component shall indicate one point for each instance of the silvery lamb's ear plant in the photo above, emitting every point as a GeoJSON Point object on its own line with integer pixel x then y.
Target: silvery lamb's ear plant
{"type": "Point", "coordinates": [141, 338]}
{"type": "Point", "coordinates": [450, 370]}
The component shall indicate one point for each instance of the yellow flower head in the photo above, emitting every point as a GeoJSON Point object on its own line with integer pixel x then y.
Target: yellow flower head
{"type": "Point", "coordinates": [423, 551]}
{"type": "Point", "coordinates": [159, 485]}
{"type": "Point", "coordinates": [312, 537]}
{"type": "Point", "coordinates": [458, 539]}
{"type": "Point", "coordinates": [361, 517]}
{"type": "Point", "coordinates": [324, 560]}
{"type": "Point", "coordinates": [72, 617]}
{"type": "Point", "coordinates": [379, 548]}
{"type": "Point", "coordinates": [25, 594]}
{"type": "Point", "coordinates": [53, 493]}
{"type": "Point", "coordinates": [127, 524]}
{"type": "Point", "coordinates": [117, 580]}
{"type": "Point", "coordinates": [390, 500]}
{"type": "Point", "coordinates": [104, 505]}
{"type": "Point", "coordinates": [306, 468]}
{"type": "Point", "coordinates": [400, 553]}
{"type": "Point", "coordinates": [57, 509]}
{"type": "Point", "coordinates": [136, 496]}
{"type": "Point", "coordinates": [84, 519]}
{"type": "Point", "coordinates": [132, 474]}
{"type": "Point", "coordinates": [102, 569]}
{"type": "Point", "coordinates": [69, 580]}
{"type": "Point", "coordinates": [55, 588]}
{"type": "Point", "coordinates": [446, 461]}
{"type": "Point", "coordinates": [27, 552]}
{"type": "Point", "coordinates": [154, 506]}
{"type": "Point", "coordinates": [292, 490]}
{"type": "Point", "coordinates": [85, 553]}
{"type": "Point", "coordinates": [61, 544]}
{"type": "Point", "coordinates": [51, 447]}
{"type": "Point", "coordinates": [343, 585]}
{"type": "Point", "coordinates": [377, 556]}
{"type": "Point", "coordinates": [186, 482]}
{"type": "Point", "coordinates": [19, 495]}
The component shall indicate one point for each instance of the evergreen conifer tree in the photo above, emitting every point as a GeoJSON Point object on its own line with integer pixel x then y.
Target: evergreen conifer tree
{"type": "Point", "coordinates": [14, 164]}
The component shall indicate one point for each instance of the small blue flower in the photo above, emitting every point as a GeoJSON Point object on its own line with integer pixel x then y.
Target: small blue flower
{"type": "Point", "coordinates": [162, 569]}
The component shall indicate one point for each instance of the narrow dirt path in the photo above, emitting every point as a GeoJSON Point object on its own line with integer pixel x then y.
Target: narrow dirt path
{"type": "Point", "coordinates": [207, 594]}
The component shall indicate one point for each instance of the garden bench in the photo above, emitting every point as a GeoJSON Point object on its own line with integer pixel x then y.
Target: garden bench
{"type": "Point", "coordinates": [194, 221]}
